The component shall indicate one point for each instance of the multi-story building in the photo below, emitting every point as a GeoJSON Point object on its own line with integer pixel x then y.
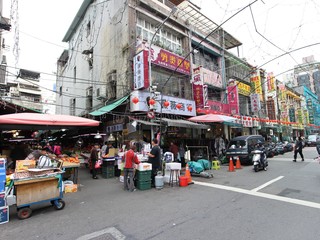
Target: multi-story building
{"type": "Point", "coordinates": [25, 90]}
{"type": "Point", "coordinates": [108, 63]}
{"type": "Point", "coordinates": [308, 74]}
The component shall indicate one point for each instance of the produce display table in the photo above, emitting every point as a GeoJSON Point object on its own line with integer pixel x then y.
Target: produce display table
{"type": "Point", "coordinates": [75, 170]}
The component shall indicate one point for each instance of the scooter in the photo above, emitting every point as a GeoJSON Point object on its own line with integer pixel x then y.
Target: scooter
{"type": "Point", "coordinates": [256, 159]}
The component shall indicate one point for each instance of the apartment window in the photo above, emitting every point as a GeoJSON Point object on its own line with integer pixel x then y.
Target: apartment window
{"type": "Point", "coordinates": [178, 85]}
{"type": "Point", "coordinates": [88, 28]}
{"type": "Point", "coordinates": [164, 38]}
{"type": "Point", "coordinates": [75, 74]}
{"type": "Point", "coordinates": [72, 106]}
{"type": "Point", "coordinates": [60, 91]}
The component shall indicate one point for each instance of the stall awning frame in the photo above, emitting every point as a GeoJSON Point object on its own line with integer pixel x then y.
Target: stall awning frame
{"type": "Point", "coordinates": [109, 107]}
{"type": "Point", "coordinates": [183, 123]}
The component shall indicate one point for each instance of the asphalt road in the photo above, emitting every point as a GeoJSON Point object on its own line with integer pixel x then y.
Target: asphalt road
{"type": "Point", "coordinates": [281, 203]}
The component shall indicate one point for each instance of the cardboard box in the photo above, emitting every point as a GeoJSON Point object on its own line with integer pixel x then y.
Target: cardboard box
{"type": "Point", "coordinates": [70, 188]}
{"type": "Point", "coordinates": [144, 166]}
{"type": "Point", "coordinates": [23, 165]}
{"type": "Point", "coordinates": [4, 215]}
{"type": "Point", "coordinates": [112, 152]}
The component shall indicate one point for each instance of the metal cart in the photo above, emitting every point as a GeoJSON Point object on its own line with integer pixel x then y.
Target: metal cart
{"type": "Point", "coordinates": [38, 190]}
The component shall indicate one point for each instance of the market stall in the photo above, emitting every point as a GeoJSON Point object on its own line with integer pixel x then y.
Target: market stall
{"type": "Point", "coordinates": [32, 184]}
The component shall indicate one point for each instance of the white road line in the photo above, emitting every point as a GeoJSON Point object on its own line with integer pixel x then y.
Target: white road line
{"type": "Point", "coordinates": [111, 230]}
{"type": "Point", "coordinates": [266, 184]}
{"type": "Point", "coordinates": [263, 195]}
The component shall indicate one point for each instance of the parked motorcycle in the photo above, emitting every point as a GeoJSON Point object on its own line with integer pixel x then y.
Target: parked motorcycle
{"type": "Point", "coordinates": [259, 160]}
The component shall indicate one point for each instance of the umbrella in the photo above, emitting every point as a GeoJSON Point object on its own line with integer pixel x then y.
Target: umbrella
{"type": "Point", "coordinates": [44, 121]}
{"type": "Point", "coordinates": [212, 118]}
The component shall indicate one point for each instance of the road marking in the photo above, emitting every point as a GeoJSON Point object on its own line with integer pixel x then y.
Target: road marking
{"type": "Point", "coordinates": [266, 184]}
{"type": "Point", "coordinates": [111, 230]}
{"type": "Point", "coordinates": [262, 195]}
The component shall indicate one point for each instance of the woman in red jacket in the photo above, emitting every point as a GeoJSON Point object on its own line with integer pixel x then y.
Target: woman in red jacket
{"type": "Point", "coordinates": [130, 158]}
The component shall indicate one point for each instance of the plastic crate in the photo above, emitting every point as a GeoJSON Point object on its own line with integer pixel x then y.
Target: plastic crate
{"type": "Point", "coordinates": [143, 185]}
{"type": "Point", "coordinates": [107, 163]}
{"type": "Point", "coordinates": [108, 175]}
{"type": "Point", "coordinates": [109, 169]}
{"type": "Point", "coordinates": [143, 175]}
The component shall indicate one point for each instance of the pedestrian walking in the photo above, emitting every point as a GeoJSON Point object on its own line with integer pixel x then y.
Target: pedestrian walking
{"type": "Point", "coordinates": [130, 158]}
{"type": "Point", "coordinates": [298, 149]}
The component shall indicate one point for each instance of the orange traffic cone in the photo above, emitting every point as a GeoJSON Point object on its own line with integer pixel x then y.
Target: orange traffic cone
{"type": "Point", "coordinates": [238, 164]}
{"type": "Point", "coordinates": [231, 166]}
{"type": "Point", "coordinates": [188, 175]}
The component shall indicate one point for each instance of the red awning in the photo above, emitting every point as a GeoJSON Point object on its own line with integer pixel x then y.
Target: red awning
{"type": "Point", "coordinates": [212, 118]}
{"type": "Point", "coordinates": [44, 121]}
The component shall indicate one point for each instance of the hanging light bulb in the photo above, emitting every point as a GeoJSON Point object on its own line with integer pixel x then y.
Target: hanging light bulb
{"type": "Point", "coordinates": [111, 138]}
{"type": "Point", "coordinates": [98, 136]}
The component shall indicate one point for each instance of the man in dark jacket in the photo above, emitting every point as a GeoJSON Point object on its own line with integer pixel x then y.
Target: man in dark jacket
{"type": "Point", "coordinates": [155, 160]}
{"type": "Point", "coordinates": [298, 149]}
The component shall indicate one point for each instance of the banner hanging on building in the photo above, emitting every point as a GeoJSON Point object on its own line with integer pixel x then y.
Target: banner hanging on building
{"type": "Point", "coordinates": [244, 89]}
{"type": "Point", "coordinates": [255, 102]}
{"type": "Point", "coordinates": [197, 87]}
{"type": "Point", "coordinates": [256, 84]}
{"type": "Point", "coordinates": [211, 78]}
{"type": "Point", "coordinates": [141, 73]}
{"type": "Point", "coordinates": [271, 82]}
{"type": "Point", "coordinates": [233, 99]}
{"type": "Point", "coordinates": [169, 60]}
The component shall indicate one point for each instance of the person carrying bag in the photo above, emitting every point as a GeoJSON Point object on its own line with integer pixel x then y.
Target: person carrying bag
{"type": "Point", "coordinates": [130, 158]}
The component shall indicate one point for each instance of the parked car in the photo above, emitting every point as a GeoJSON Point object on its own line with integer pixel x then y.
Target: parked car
{"type": "Point", "coordinates": [242, 146]}
{"type": "Point", "coordinates": [312, 140]}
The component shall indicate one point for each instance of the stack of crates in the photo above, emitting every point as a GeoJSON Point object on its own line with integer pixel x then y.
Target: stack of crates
{"type": "Point", "coordinates": [143, 180]}
{"type": "Point", "coordinates": [107, 169]}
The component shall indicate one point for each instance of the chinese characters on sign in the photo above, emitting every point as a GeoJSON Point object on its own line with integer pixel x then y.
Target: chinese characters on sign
{"type": "Point", "coordinates": [256, 84]}
{"type": "Point", "coordinates": [169, 60]}
{"type": "Point", "coordinates": [233, 99]}
{"type": "Point", "coordinates": [211, 78]}
{"type": "Point", "coordinates": [197, 86]}
{"type": "Point", "coordinates": [141, 73]}
{"type": "Point", "coordinates": [271, 82]}
{"type": "Point", "coordinates": [244, 89]}
{"type": "Point", "coordinates": [255, 102]}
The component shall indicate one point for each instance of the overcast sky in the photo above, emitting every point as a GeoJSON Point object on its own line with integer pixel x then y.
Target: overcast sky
{"type": "Point", "coordinates": [288, 24]}
{"type": "Point", "coordinates": [277, 27]}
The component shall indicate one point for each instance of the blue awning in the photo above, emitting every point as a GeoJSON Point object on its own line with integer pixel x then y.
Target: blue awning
{"type": "Point", "coordinates": [109, 107]}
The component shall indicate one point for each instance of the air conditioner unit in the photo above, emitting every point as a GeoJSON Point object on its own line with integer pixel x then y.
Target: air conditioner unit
{"type": "Point", "coordinates": [89, 92]}
{"type": "Point", "coordinates": [102, 93]}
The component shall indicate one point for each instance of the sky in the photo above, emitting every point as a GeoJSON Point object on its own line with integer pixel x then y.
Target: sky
{"type": "Point", "coordinates": [284, 26]}
{"type": "Point", "coordinates": [270, 29]}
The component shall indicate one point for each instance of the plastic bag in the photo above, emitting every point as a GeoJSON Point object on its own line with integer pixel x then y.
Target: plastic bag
{"type": "Point", "coordinates": [98, 164]}
{"type": "Point", "coordinates": [205, 164]}
{"type": "Point", "coordinates": [195, 167]}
